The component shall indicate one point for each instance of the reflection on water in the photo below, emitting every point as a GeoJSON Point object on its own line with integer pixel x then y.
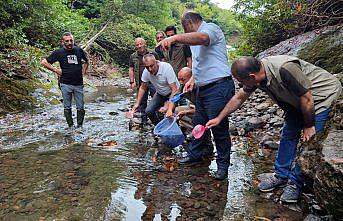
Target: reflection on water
{"type": "Point", "coordinates": [50, 173]}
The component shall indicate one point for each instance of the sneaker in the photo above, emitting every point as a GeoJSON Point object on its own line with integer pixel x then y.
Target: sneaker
{"type": "Point", "coordinates": [188, 161]}
{"type": "Point", "coordinates": [221, 174]}
{"type": "Point", "coordinates": [290, 194]}
{"type": "Point", "coordinates": [271, 183]}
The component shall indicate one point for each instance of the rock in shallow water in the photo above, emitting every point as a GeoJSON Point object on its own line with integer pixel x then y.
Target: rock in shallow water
{"type": "Point", "coordinates": [254, 123]}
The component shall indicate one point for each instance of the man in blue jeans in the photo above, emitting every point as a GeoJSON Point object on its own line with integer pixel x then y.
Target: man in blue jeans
{"type": "Point", "coordinates": [74, 64]}
{"type": "Point", "coordinates": [215, 87]}
{"type": "Point", "coordinates": [305, 92]}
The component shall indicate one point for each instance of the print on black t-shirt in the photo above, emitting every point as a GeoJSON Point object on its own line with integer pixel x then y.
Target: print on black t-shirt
{"type": "Point", "coordinates": [72, 59]}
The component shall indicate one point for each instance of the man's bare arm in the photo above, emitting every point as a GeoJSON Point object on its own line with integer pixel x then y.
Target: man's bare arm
{"type": "Point", "coordinates": [47, 65]}
{"type": "Point", "coordinates": [171, 105]}
{"type": "Point", "coordinates": [85, 68]}
{"type": "Point", "coordinates": [308, 111]}
{"type": "Point", "coordinates": [132, 78]}
{"type": "Point", "coordinates": [142, 89]}
{"type": "Point", "coordinates": [235, 102]}
{"type": "Point", "coordinates": [193, 38]}
{"type": "Point", "coordinates": [189, 62]}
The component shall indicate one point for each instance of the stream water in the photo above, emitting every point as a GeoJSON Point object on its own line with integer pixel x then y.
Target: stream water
{"type": "Point", "coordinates": [48, 172]}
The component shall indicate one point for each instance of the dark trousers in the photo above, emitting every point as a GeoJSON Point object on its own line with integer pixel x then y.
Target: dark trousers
{"type": "Point", "coordinates": [154, 105]}
{"type": "Point", "coordinates": [210, 101]}
{"type": "Point", "coordinates": [149, 92]}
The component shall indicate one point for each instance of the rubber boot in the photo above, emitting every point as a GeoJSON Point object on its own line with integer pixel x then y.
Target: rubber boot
{"type": "Point", "coordinates": [69, 117]}
{"type": "Point", "coordinates": [80, 117]}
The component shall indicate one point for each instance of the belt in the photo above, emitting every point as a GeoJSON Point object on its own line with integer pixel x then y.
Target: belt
{"type": "Point", "coordinates": [215, 82]}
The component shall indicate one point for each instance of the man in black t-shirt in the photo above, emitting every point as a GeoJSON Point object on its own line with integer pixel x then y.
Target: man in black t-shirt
{"type": "Point", "coordinates": [74, 64]}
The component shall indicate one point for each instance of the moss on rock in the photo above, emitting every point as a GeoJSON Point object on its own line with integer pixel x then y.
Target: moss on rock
{"type": "Point", "coordinates": [15, 92]}
{"type": "Point", "coordinates": [326, 51]}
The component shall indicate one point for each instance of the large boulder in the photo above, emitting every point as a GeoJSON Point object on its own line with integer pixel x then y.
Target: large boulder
{"type": "Point", "coordinates": [321, 162]}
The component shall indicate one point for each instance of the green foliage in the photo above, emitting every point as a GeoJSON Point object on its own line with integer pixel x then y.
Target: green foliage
{"type": "Point", "coordinates": [266, 23]}
{"type": "Point", "coordinates": [326, 51]}
{"type": "Point", "coordinates": [118, 39]}
{"type": "Point", "coordinates": [90, 8]}
{"type": "Point", "coordinates": [38, 22]}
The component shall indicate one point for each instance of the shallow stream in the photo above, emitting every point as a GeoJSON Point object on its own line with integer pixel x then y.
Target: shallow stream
{"type": "Point", "coordinates": [48, 172]}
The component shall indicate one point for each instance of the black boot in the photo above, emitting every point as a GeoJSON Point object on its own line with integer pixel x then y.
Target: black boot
{"type": "Point", "coordinates": [69, 117]}
{"type": "Point", "coordinates": [80, 117]}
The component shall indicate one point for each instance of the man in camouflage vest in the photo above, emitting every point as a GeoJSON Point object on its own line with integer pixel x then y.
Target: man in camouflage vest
{"type": "Point", "coordinates": [305, 92]}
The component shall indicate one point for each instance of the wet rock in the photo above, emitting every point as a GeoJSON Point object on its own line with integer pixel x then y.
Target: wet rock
{"type": "Point", "coordinates": [272, 110]}
{"type": "Point", "coordinates": [265, 117]}
{"type": "Point", "coordinates": [271, 145]}
{"type": "Point", "coordinates": [254, 123]}
{"type": "Point", "coordinates": [312, 217]}
{"type": "Point", "coordinates": [262, 106]}
{"type": "Point", "coordinates": [233, 131]}
{"type": "Point", "coordinates": [197, 205]}
{"type": "Point", "coordinates": [123, 109]}
{"type": "Point", "coordinates": [113, 113]}
{"type": "Point", "coordinates": [102, 98]}
{"type": "Point", "coordinates": [276, 121]}
{"type": "Point", "coordinates": [318, 162]}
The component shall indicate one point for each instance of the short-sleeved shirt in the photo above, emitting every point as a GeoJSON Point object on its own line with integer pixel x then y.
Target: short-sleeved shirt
{"type": "Point", "coordinates": [71, 64]}
{"type": "Point", "coordinates": [163, 78]}
{"type": "Point", "coordinates": [210, 63]}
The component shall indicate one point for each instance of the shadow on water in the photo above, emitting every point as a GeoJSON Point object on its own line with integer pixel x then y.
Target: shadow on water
{"type": "Point", "coordinates": [50, 173]}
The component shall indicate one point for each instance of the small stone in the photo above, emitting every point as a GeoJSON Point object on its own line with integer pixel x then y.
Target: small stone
{"type": "Point", "coordinates": [312, 217]}
{"type": "Point", "coordinates": [271, 145]}
{"type": "Point", "coordinates": [254, 123]}
{"type": "Point", "coordinates": [197, 205]}
{"type": "Point", "coordinates": [262, 106]}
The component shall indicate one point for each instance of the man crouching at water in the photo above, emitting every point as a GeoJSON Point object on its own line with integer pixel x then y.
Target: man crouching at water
{"type": "Point", "coordinates": [162, 76]}
{"type": "Point", "coordinates": [305, 92]}
{"type": "Point", "coordinates": [74, 64]}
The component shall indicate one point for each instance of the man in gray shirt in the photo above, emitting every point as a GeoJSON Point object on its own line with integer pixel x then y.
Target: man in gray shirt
{"type": "Point", "coordinates": [215, 87]}
{"type": "Point", "coordinates": [162, 76]}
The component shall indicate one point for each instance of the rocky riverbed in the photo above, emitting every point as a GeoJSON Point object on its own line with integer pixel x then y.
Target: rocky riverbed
{"type": "Point", "coordinates": [106, 172]}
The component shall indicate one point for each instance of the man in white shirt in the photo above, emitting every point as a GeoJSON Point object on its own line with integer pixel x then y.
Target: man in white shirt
{"type": "Point", "coordinates": [162, 76]}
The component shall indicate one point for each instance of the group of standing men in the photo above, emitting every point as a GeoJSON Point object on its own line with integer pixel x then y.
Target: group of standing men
{"type": "Point", "coordinates": [304, 91]}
